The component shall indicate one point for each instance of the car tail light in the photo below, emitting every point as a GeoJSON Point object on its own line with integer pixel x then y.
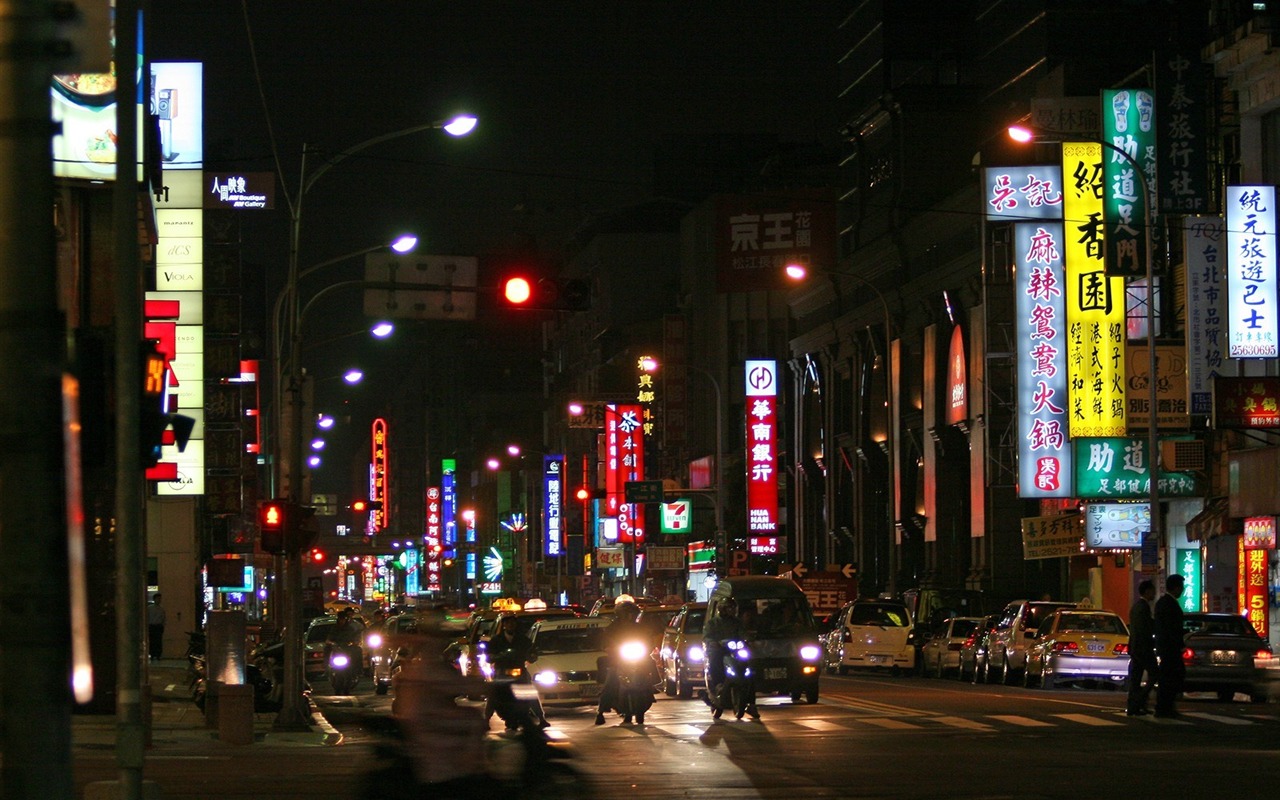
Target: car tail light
{"type": "Point", "coordinates": [1188, 655]}
{"type": "Point", "coordinates": [969, 642]}
{"type": "Point", "coordinates": [1264, 652]}
{"type": "Point", "coordinates": [1065, 647]}
{"type": "Point", "coordinates": [1121, 649]}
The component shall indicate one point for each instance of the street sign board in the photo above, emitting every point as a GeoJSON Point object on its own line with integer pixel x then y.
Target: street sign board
{"type": "Point", "coordinates": [642, 491]}
{"type": "Point", "coordinates": [827, 591]}
{"type": "Point", "coordinates": [677, 517]}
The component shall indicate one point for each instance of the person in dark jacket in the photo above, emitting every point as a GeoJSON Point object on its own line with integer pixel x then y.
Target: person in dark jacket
{"type": "Point", "coordinates": [509, 648]}
{"type": "Point", "coordinates": [1143, 669]}
{"type": "Point", "coordinates": [1168, 630]}
{"type": "Point", "coordinates": [624, 625]}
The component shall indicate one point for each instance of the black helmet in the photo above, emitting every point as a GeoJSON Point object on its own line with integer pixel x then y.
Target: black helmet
{"type": "Point", "coordinates": [626, 610]}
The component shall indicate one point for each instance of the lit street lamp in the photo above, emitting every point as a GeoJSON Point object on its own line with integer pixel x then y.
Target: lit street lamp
{"type": "Point", "coordinates": [1023, 134]}
{"type": "Point", "coordinates": [294, 712]}
{"type": "Point", "coordinates": [798, 272]}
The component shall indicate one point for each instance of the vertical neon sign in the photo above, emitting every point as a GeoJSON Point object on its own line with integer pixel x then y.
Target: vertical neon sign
{"type": "Point", "coordinates": [553, 503]}
{"type": "Point", "coordinates": [762, 430]}
{"type": "Point", "coordinates": [378, 476]}
{"type": "Point", "coordinates": [434, 538]}
{"type": "Point", "coordinates": [624, 461]}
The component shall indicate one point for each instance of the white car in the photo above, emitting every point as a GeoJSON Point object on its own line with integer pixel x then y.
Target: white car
{"type": "Point", "coordinates": [941, 654]}
{"type": "Point", "coordinates": [565, 664]}
{"type": "Point", "coordinates": [872, 633]}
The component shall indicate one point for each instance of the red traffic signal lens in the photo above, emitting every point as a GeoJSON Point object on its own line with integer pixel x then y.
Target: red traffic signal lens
{"type": "Point", "coordinates": [517, 291]}
{"type": "Point", "coordinates": [272, 515]}
{"type": "Point", "coordinates": [584, 495]}
{"type": "Point", "coordinates": [360, 505]}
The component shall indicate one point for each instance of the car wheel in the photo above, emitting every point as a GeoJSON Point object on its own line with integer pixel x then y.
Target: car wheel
{"type": "Point", "coordinates": [811, 694]}
{"type": "Point", "coordinates": [1026, 676]}
{"type": "Point", "coordinates": [980, 672]}
{"type": "Point", "coordinates": [683, 689]}
{"type": "Point", "coordinates": [795, 695]}
{"type": "Point", "coordinates": [1005, 672]}
{"type": "Point", "coordinates": [668, 687]}
{"type": "Point", "coordinates": [1257, 698]}
{"type": "Point", "coordinates": [842, 669]}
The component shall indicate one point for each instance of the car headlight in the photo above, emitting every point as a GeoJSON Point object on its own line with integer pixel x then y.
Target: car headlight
{"type": "Point", "coordinates": [810, 652]}
{"type": "Point", "coordinates": [375, 640]}
{"type": "Point", "coordinates": [546, 678]}
{"type": "Point", "coordinates": [696, 653]}
{"type": "Point", "coordinates": [339, 660]}
{"type": "Point", "coordinates": [633, 651]}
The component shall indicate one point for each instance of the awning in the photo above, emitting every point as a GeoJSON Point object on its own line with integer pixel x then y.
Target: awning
{"type": "Point", "coordinates": [1209, 523]}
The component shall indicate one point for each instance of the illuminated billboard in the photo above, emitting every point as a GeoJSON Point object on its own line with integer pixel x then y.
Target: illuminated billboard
{"type": "Point", "coordinates": [1129, 124]}
{"type": "Point", "coordinates": [624, 461]}
{"type": "Point", "coordinates": [1014, 193]}
{"type": "Point", "coordinates": [553, 503]}
{"type": "Point", "coordinates": [1204, 245]}
{"type": "Point", "coordinates": [1251, 272]}
{"type": "Point", "coordinates": [1116, 526]}
{"type": "Point", "coordinates": [762, 431]}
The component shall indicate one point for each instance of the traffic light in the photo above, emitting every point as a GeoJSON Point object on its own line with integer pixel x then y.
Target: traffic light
{"type": "Point", "coordinates": [154, 416]}
{"type": "Point", "coordinates": [273, 520]}
{"type": "Point", "coordinates": [316, 556]}
{"type": "Point", "coordinates": [302, 530]}
{"type": "Point", "coordinates": [360, 506]}
{"type": "Point", "coordinates": [556, 294]}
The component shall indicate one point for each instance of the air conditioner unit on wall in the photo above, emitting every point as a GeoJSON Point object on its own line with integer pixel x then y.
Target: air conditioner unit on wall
{"type": "Point", "coordinates": [1183, 456]}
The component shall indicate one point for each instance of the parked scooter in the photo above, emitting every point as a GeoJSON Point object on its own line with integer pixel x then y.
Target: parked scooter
{"type": "Point", "coordinates": [266, 691]}
{"type": "Point", "coordinates": [737, 693]}
{"type": "Point", "coordinates": [346, 662]}
{"type": "Point", "coordinates": [636, 679]}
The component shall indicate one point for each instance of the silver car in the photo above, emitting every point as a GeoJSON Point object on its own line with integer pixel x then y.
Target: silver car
{"type": "Point", "coordinates": [941, 654]}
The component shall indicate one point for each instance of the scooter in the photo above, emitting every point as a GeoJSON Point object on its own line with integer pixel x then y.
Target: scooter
{"type": "Point", "coordinates": [346, 662]}
{"type": "Point", "coordinates": [738, 690]}
{"type": "Point", "coordinates": [511, 694]}
{"type": "Point", "coordinates": [636, 680]}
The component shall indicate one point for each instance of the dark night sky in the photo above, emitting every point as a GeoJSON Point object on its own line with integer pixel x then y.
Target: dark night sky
{"type": "Point", "coordinates": [573, 98]}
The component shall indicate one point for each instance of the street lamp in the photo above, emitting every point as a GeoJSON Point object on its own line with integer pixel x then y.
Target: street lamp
{"type": "Point", "coordinates": [797, 272]}
{"type": "Point", "coordinates": [294, 713]}
{"type": "Point", "coordinates": [1024, 135]}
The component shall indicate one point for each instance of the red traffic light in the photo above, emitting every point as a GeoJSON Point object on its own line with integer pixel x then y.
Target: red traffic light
{"type": "Point", "coordinates": [517, 291]}
{"type": "Point", "coordinates": [316, 555]}
{"type": "Point", "coordinates": [555, 294]}
{"type": "Point", "coordinates": [583, 494]}
{"type": "Point", "coordinates": [271, 516]}
{"type": "Point", "coordinates": [365, 505]}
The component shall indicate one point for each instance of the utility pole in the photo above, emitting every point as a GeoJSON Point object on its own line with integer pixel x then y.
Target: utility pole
{"type": "Point", "coordinates": [35, 622]}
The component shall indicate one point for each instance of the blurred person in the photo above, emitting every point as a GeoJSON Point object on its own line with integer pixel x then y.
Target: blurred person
{"type": "Point", "coordinates": [1169, 643]}
{"type": "Point", "coordinates": [1143, 669]}
{"type": "Point", "coordinates": [155, 627]}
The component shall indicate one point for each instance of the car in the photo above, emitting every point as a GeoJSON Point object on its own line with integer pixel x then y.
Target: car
{"type": "Point", "coordinates": [1078, 645]}
{"type": "Point", "coordinates": [465, 651]}
{"type": "Point", "coordinates": [603, 607]}
{"type": "Point", "coordinates": [973, 652]}
{"type": "Point", "coordinates": [1224, 654]}
{"type": "Point", "coordinates": [565, 661]}
{"type": "Point", "coordinates": [781, 634]}
{"type": "Point", "coordinates": [941, 653]}
{"type": "Point", "coordinates": [1015, 628]}
{"type": "Point", "coordinates": [525, 620]}
{"type": "Point", "coordinates": [872, 633]}
{"type": "Point", "coordinates": [386, 648]}
{"type": "Point", "coordinates": [683, 658]}
{"type": "Point", "coordinates": [315, 655]}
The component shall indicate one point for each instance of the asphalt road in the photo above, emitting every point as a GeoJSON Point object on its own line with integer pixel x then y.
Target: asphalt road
{"type": "Point", "coordinates": [870, 736]}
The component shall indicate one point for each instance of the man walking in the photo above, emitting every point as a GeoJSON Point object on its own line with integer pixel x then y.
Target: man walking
{"type": "Point", "coordinates": [155, 627]}
{"type": "Point", "coordinates": [1168, 628]}
{"type": "Point", "coordinates": [1142, 651]}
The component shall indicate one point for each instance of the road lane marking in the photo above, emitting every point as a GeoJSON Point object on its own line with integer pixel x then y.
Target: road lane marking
{"type": "Point", "coordinates": [679, 730]}
{"type": "Point", "coordinates": [1026, 722]}
{"type": "Point", "coordinates": [961, 722]}
{"type": "Point", "coordinates": [872, 705]}
{"type": "Point", "coordinates": [1218, 718]}
{"type": "Point", "coordinates": [1085, 719]}
{"type": "Point", "coordinates": [892, 724]}
{"type": "Point", "coordinates": [819, 724]}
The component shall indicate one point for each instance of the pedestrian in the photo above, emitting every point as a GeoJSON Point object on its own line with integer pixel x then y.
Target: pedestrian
{"type": "Point", "coordinates": [155, 626]}
{"type": "Point", "coordinates": [1168, 630]}
{"type": "Point", "coordinates": [1143, 669]}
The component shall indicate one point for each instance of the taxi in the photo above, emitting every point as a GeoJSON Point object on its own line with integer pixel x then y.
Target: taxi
{"type": "Point", "coordinates": [1079, 645]}
{"type": "Point", "coordinates": [565, 663]}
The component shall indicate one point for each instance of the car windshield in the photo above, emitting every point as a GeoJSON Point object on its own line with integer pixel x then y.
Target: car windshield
{"type": "Point", "coordinates": [694, 619]}
{"type": "Point", "coordinates": [1091, 623]}
{"type": "Point", "coordinates": [963, 627]}
{"type": "Point", "coordinates": [767, 617]}
{"type": "Point", "coordinates": [319, 631]}
{"type": "Point", "coordinates": [881, 615]}
{"type": "Point", "coordinates": [569, 640]}
{"type": "Point", "coordinates": [1037, 613]}
{"type": "Point", "coordinates": [1225, 625]}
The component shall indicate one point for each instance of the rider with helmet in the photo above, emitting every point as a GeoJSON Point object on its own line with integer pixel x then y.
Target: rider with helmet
{"type": "Point", "coordinates": [724, 626]}
{"type": "Point", "coordinates": [624, 625]}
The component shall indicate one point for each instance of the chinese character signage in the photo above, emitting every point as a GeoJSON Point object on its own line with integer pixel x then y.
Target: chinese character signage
{"type": "Point", "coordinates": [646, 393]}
{"type": "Point", "coordinates": [553, 503]}
{"type": "Point", "coordinates": [378, 475]}
{"type": "Point", "coordinates": [1204, 242]}
{"type": "Point", "coordinates": [757, 236]}
{"type": "Point", "coordinates": [1246, 402]}
{"type": "Point", "coordinates": [1188, 566]}
{"type": "Point", "coordinates": [1128, 123]}
{"type": "Point", "coordinates": [1260, 533]}
{"type": "Point", "coordinates": [1121, 468]}
{"type": "Point", "coordinates": [1253, 587]}
{"type": "Point", "coordinates": [624, 461]}
{"type": "Point", "coordinates": [762, 431]}
{"type": "Point", "coordinates": [1052, 537]}
{"type": "Point", "coordinates": [957, 379]}
{"type": "Point", "coordinates": [1014, 193]}
{"type": "Point", "coordinates": [240, 190]}
{"type": "Point", "coordinates": [1251, 272]}
{"type": "Point", "coordinates": [1171, 386]}
{"type": "Point", "coordinates": [1094, 301]}
{"type": "Point", "coordinates": [434, 538]}
{"type": "Point", "coordinates": [763, 545]}
{"type": "Point", "coordinates": [1116, 526]}
{"type": "Point", "coordinates": [1183, 179]}
{"type": "Point", "coordinates": [1044, 456]}
{"type": "Point", "coordinates": [449, 505]}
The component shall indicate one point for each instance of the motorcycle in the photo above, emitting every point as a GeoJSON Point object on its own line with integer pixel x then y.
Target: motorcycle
{"type": "Point", "coordinates": [738, 690]}
{"type": "Point", "coordinates": [346, 662]}
{"type": "Point", "coordinates": [511, 694]}
{"type": "Point", "coordinates": [636, 679]}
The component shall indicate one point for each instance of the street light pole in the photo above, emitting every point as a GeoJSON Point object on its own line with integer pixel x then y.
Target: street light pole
{"type": "Point", "coordinates": [294, 712]}
{"type": "Point", "coordinates": [1024, 134]}
{"type": "Point", "coordinates": [722, 543]}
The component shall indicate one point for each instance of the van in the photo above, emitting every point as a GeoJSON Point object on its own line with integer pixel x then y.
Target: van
{"type": "Point", "coordinates": [781, 633]}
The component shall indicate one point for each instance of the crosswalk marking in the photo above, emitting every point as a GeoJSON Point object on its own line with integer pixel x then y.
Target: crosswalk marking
{"type": "Point", "coordinates": [890, 723]}
{"type": "Point", "coordinates": [961, 722]}
{"type": "Point", "coordinates": [1026, 722]}
{"type": "Point", "coordinates": [1219, 718]}
{"type": "Point", "coordinates": [819, 724]}
{"type": "Point", "coordinates": [1085, 719]}
{"type": "Point", "coordinates": [681, 730]}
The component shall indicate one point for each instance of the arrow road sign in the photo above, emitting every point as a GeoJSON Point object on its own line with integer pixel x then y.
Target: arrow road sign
{"type": "Point", "coordinates": [799, 570]}
{"type": "Point", "coordinates": [848, 570]}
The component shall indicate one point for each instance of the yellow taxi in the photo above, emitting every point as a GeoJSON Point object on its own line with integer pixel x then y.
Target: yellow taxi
{"type": "Point", "coordinates": [1079, 646]}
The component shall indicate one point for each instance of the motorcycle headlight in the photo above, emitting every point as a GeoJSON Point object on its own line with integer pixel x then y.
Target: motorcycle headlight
{"type": "Point", "coordinates": [696, 653]}
{"type": "Point", "coordinates": [810, 652]}
{"type": "Point", "coordinates": [339, 660]}
{"type": "Point", "coordinates": [546, 678]}
{"type": "Point", "coordinates": [375, 640]}
{"type": "Point", "coordinates": [743, 653]}
{"type": "Point", "coordinates": [633, 651]}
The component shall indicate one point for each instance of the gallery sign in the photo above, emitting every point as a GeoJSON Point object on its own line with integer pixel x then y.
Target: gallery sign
{"type": "Point", "coordinates": [240, 191]}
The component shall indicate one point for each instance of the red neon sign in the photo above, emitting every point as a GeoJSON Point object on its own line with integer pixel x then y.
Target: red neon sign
{"type": "Point", "coordinates": [762, 433]}
{"type": "Point", "coordinates": [624, 461]}
{"type": "Point", "coordinates": [378, 476]}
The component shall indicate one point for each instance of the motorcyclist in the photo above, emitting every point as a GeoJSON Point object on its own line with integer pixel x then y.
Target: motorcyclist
{"type": "Point", "coordinates": [509, 648]}
{"type": "Point", "coordinates": [624, 626]}
{"type": "Point", "coordinates": [724, 626]}
{"type": "Point", "coordinates": [347, 633]}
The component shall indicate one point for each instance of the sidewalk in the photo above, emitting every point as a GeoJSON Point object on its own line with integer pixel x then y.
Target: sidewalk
{"type": "Point", "coordinates": [175, 720]}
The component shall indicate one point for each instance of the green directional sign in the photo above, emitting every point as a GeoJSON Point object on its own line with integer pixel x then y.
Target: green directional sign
{"type": "Point", "coordinates": [642, 491]}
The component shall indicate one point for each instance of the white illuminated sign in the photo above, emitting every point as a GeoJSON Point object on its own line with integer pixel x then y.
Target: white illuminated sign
{"type": "Point", "coordinates": [1251, 272]}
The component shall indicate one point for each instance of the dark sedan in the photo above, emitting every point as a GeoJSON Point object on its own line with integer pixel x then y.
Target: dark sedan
{"type": "Point", "coordinates": [1224, 654]}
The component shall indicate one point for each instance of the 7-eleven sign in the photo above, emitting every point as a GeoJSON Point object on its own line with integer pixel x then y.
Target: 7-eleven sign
{"type": "Point", "coordinates": [677, 517]}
